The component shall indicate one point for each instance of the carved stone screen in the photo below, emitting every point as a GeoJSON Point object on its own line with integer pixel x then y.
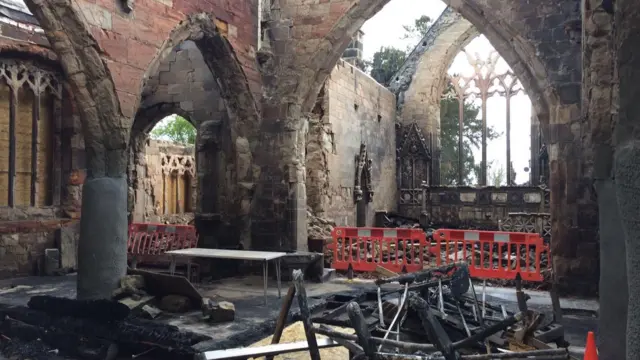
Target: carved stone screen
{"type": "Point", "coordinates": [414, 168]}
{"type": "Point", "coordinates": [28, 102]}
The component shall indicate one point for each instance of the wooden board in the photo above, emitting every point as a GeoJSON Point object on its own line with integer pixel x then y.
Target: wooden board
{"type": "Point", "coordinates": [157, 284]}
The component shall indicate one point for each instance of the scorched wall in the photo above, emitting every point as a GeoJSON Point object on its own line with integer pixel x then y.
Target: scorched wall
{"type": "Point", "coordinates": [352, 109]}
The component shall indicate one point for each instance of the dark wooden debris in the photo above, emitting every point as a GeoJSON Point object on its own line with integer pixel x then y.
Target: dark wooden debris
{"type": "Point", "coordinates": [441, 320]}
{"type": "Point", "coordinates": [81, 333]}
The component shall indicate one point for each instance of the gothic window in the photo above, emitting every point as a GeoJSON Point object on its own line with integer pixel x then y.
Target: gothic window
{"type": "Point", "coordinates": [177, 184]}
{"type": "Point", "coordinates": [28, 102]}
{"type": "Point", "coordinates": [415, 158]}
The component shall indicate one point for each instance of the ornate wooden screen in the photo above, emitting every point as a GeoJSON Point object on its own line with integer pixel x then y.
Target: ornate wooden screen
{"type": "Point", "coordinates": [484, 83]}
{"type": "Point", "coordinates": [30, 124]}
{"type": "Point", "coordinates": [414, 160]}
{"type": "Point", "coordinates": [178, 172]}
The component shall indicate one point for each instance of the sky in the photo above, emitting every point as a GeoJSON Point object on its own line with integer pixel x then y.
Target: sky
{"type": "Point", "coordinates": [386, 29]}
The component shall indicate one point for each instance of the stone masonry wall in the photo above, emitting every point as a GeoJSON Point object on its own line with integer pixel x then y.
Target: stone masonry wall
{"type": "Point", "coordinates": [131, 40]}
{"type": "Point", "coordinates": [352, 109]}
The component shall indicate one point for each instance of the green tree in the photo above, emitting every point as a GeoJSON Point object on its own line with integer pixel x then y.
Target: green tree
{"type": "Point", "coordinates": [416, 31]}
{"type": "Point", "coordinates": [388, 60]}
{"type": "Point", "coordinates": [472, 138]}
{"type": "Point", "coordinates": [386, 63]}
{"type": "Point", "coordinates": [497, 176]}
{"type": "Point", "coordinates": [176, 129]}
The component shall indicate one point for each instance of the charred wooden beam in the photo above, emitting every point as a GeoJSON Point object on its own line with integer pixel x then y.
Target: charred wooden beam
{"type": "Point", "coordinates": [407, 346]}
{"type": "Point", "coordinates": [362, 330]}
{"type": "Point", "coordinates": [101, 310]}
{"type": "Point", "coordinates": [68, 343]}
{"type": "Point", "coordinates": [520, 295]}
{"type": "Point", "coordinates": [488, 331]}
{"type": "Point", "coordinates": [436, 333]}
{"type": "Point", "coordinates": [305, 314]}
{"type": "Point", "coordinates": [282, 318]}
{"type": "Point", "coordinates": [133, 334]}
{"type": "Point", "coordinates": [420, 276]}
{"type": "Point", "coordinates": [347, 343]}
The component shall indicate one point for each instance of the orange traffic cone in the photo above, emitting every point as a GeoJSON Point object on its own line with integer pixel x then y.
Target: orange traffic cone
{"type": "Point", "coordinates": [590, 351]}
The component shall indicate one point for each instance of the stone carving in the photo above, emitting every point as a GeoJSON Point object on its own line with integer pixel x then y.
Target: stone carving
{"type": "Point", "coordinates": [543, 158]}
{"type": "Point", "coordinates": [16, 74]}
{"type": "Point", "coordinates": [363, 188]}
{"type": "Point", "coordinates": [537, 223]}
{"type": "Point", "coordinates": [178, 163]}
{"type": "Point", "coordinates": [413, 159]}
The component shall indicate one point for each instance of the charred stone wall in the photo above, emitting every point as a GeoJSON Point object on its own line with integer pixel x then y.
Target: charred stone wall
{"type": "Point", "coordinates": [129, 41]}
{"type": "Point", "coordinates": [352, 109]}
{"type": "Point", "coordinates": [481, 207]}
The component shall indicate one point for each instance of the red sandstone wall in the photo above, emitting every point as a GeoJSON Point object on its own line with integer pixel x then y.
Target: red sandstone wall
{"type": "Point", "coordinates": [132, 40]}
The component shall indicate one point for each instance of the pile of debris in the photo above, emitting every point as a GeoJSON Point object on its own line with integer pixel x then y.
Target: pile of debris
{"type": "Point", "coordinates": [433, 314]}
{"type": "Point", "coordinates": [133, 324]}
{"type": "Point", "coordinates": [60, 328]}
{"type": "Point", "coordinates": [319, 229]}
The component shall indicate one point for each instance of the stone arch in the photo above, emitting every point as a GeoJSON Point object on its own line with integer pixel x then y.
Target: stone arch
{"type": "Point", "coordinates": [139, 179]}
{"type": "Point", "coordinates": [516, 51]}
{"type": "Point", "coordinates": [419, 83]}
{"type": "Point", "coordinates": [231, 136]}
{"type": "Point", "coordinates": [222, 61]}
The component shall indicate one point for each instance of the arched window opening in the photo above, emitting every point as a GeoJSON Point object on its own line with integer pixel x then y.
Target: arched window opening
{"type": "Point", "coordinates": [27, 148]}
{"type": "Point", "coordinates": [171, 165]}
{"type": "Point", "coordinates": [485, 116]}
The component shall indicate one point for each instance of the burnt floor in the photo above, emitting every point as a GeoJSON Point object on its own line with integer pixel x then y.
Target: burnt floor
{"type": "Point", "coordinates": [255, 321]}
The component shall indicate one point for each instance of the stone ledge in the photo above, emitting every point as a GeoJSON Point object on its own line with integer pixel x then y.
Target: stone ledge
{"type": "Point", "coordinates": [27, 226]}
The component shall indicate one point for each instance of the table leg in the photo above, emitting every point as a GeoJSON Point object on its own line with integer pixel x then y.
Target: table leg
{"type": "Point", "coordinates": [265, 275]}
{"type": "Point", "coordinates": [278, 272]}
{"type": "Point", "coordinates": [172, 266]}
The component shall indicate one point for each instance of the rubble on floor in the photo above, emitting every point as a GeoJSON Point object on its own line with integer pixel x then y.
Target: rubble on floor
{"type": "Point", "coordinates": [319, 229]}
{"type": "Point", "coordinates": [434, 313]}
{"type": "Point", "coordinates": [60, 328]}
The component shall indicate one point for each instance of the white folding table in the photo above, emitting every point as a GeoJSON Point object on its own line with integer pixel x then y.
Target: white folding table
{"type": "Point", "coordinates": [263, 256]}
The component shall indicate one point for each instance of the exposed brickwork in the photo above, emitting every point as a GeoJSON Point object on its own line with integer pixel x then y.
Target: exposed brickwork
{"type": "Point", "coordinates": [131, 40]}
{"type": "Point", "coordinates": [355, 109]}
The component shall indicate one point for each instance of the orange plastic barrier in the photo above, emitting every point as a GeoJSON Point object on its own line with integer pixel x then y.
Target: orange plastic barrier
{"type": "Point", "coordinates": [489, 253]}
{"type": "Point", "coordinates": [367, 248]}
{"type": "Point", "coordinates": [151, 241]}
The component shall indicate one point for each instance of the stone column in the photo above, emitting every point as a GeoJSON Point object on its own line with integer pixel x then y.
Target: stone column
{"type": "Point", "coordinates": [574, 214]}
{"type": "Point", "coordinates": [627, 155]}
{"type": "Point", "coordinates": [534, 171]}
{"type": "Point", "coordinates": [207, 214]}
{"type": "Point", "coordinates": [280, 211]}
{"type": "Point", "coordinates": [598, 98]}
